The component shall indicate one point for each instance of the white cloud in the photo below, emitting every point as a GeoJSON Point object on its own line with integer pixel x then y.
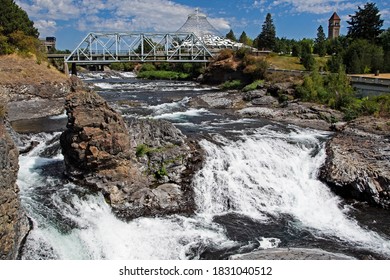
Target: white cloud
{"type": "Point", "coordinates": [51, 9]}
{"type": "Point", "coordinates": [124, 15]}
{"type": "Point", "coordinates": [46, 27]}
{"type": "Point", "coordinates": [309, 6]}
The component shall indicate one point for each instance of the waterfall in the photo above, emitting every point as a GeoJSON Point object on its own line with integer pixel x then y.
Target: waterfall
{"type": "Point", "coordinates": [262, 174]}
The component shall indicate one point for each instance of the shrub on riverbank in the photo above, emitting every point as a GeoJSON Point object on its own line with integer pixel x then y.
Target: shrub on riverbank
{"type": "Point", "coordinates": [234, 84]}
{"type": "Point", "coordinates": [253, 86]}
{"type": "Point", "coordinates": [335, 91]}
{"type": "Point", "coordinates": [123, 66]}
{"type": "Point", "coordinates": [170, 71]}
{"type": "Point", "coordinates": [163, 75]}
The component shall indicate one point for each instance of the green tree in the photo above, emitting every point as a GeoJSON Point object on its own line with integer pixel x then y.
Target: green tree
{"type": "Point", "coordinates": [366, 23]}
{"type": "Point", "coordinates": [296, 49]}
{"type": "Point", "coordinates": [340, 92]}
{"type": "Point", "coordinates": [267, 37]}
{"type": "Point", "coordinates": [13, 18]}
{"type": "Point", "coordinates": [337, 45]}
{"type": "Point", "coordinates": [320, 42]}
{"type": "Point", "coordinates": [308, 61]}
{"type": "Point", "coordinates": [363, 57]}
{"type": "Point", "coordinates": [231, 36]}
{"type": "Point", "coordinates": [283, 45]}
{"type": "Point", "coordinates": [245, 39]}
{"type": "Point", "coordinates": [384, 40]}
{"type": "Point", "coordinates": [334, 63]}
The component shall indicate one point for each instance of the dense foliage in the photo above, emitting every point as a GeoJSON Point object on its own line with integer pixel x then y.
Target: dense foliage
{"type": "Point", "coordinates": [335, 91]}
{"type": "Point", "coordinates": [366, 23]}
{"type": "Point", "coordinates": [17, 31]}
{"type": "Point", "coordinates": [168, 71]}
{"type": "Point", "coordinates": [13, 18]}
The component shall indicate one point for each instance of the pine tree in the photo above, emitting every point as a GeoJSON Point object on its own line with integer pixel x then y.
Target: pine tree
{"type": "Point", "coordinates": [320, 42]}
{"type": "Point", "coordinates": [245, 39]}
{"type": "Point", "coordinates": [267, 37]}
{"type": "Point", "coordinates": [231, 36]}
{"type": "Point", "coordinates": [366, 23]}
{"type": "Point", "coordinates": [13, 18]}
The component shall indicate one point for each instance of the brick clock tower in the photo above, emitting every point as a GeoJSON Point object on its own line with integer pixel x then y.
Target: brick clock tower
{"type": "Point", "coordinates": [334, 26]}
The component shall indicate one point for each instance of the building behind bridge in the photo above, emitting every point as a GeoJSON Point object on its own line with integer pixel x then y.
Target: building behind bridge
{"type": "Point", "coordinates": [48, 44]}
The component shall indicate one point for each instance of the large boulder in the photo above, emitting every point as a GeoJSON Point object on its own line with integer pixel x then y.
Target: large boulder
{"type": "Point", "coordinates": [358, 162]}
{"type": "Point", "coordinates": [141, 168]}
{"type": "Point", "coordinates": [14, 225]}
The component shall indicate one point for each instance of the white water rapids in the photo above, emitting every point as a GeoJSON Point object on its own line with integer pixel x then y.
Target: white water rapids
{"type": "Point", "coordinates": [262, 174]}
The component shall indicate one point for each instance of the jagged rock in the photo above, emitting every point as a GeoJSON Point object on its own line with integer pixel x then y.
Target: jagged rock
{"type": "Point", "coordinates": [291, 254]}
{"type": "Point", "coordinates": [14, 225]}
{"type": "Point", "coordinates": [219, 100]}
{"type": "Point", "coordinates": [276, 89]}
{"type": "Point", "coordinates": [358, 163]}
{"type": "Point", "coordinates": [250, 95]}
{"type": "Point", "coordinates": [339, 126]}
{"type": "Point", "coordinates": [265, 101]}
{"type": "Point", "coordinates": [129, 165]}
{"type": "Point", "coordinates": [96, 137]}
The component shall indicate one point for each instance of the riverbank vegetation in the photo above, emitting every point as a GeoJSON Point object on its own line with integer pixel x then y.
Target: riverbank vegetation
{"type": "Point", "coordinates": [169, 71]}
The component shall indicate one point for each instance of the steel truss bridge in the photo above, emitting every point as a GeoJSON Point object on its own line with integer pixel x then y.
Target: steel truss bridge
{"type": "Point", "coordinates": [111, 47]}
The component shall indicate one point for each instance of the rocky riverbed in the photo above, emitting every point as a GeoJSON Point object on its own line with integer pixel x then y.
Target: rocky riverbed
{"type": "Point", "coordinates": [145, 167]}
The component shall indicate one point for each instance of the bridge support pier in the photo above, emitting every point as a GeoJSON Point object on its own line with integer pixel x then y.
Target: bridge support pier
{"type": "Point", "coordinates": [74, 69]}
{"type": "Point", "coordinates": [66, 69]}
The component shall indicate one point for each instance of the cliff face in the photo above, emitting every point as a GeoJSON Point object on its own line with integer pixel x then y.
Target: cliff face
{"type": "Point", "coordinates": [358, 162]}
{"type": "Point", "coordinates": [14, 225]}
{"type": "Point", "coordinates": [32, 89]}
{"type": "Point", "coordinates": [139, 170]}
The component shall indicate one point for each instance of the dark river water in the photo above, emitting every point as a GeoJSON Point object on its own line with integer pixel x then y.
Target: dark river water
{"type": "Point", "coordinates": [258, 188]}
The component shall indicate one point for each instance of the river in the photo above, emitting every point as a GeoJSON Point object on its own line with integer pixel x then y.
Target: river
{"type": "Point", "coordinates": [258, 188]}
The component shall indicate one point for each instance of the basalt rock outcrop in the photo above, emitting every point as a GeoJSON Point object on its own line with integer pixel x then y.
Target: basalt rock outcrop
{"type": "Point", "coordinates": [291, 254]}
{"type": "Point", "coordinates": [141, 168]}
{"type": "Point", "coordinates": [14, 225]}
{"type": "Point", "coordinates": [358, 161]}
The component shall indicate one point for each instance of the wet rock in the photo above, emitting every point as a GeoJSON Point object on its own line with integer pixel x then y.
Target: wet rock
{"type": "Point", "coordinates": [127, 163]}
{"type": "Point", "coordinates": [358, 163]}
{"type": "Point", "coordinates": [291, 254]}
{"type": "Point", "coordinates": [14, 225]}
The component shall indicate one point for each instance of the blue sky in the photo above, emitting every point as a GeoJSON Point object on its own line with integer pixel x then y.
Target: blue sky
{"type": "Point", "coordinates": [70, 20]}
